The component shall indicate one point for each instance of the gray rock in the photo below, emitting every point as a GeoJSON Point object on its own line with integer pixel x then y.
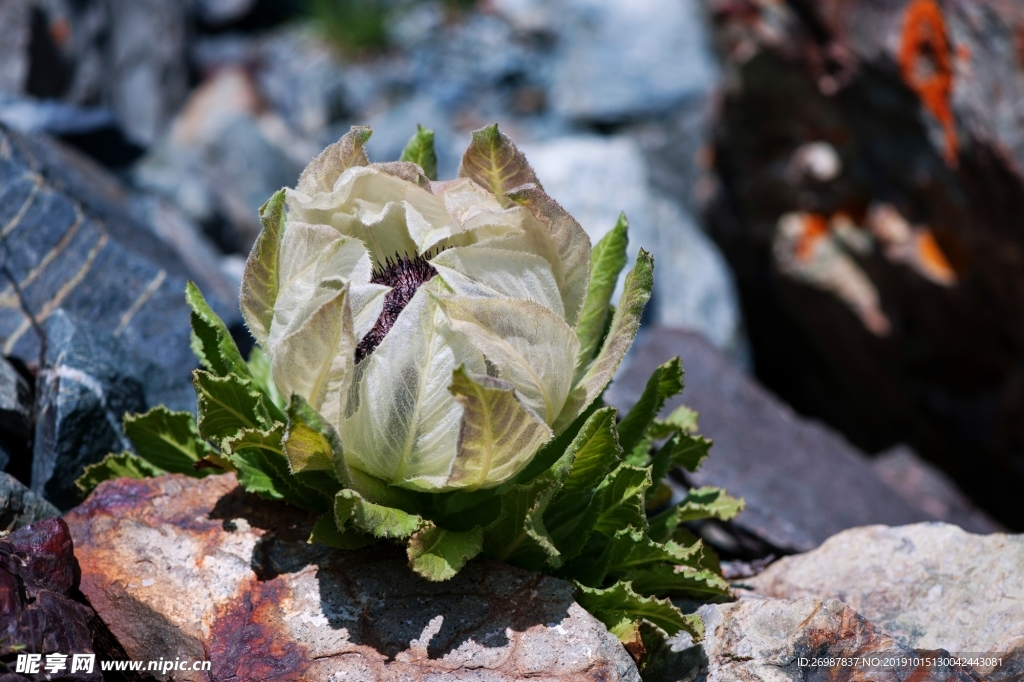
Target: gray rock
{"type": "Point", "coordinates": [595, 179]}
{"type": "Point", "coordinates": [29, 115]}
{"type": "Point", "coordinates": [194, 568]}
{"type": "Point", "coordinates": [219, 12]}
{"type": "Point", "coordinates": [147, 69]}
{"type": "Point", "coordinates": [89, 382]}
{"type": "Point", "coordinates": [19, 506]}
{"type": "Point", "coordinates": [223, 158]}
{"type": "Point", "coordinates": [15, 403]}
{"type": "Point", "coordinates": [619, 61]}
{"type": "Point", "coordinates": [802, 481]}
{"type": "Point", "coordinates": [773, 640]}
{"type": "Point", "coordinates": [930, 585]}
{"type": "Point", "coordinates": [70, 241]}
{"type": "Point", "coordinates": [930, 489]}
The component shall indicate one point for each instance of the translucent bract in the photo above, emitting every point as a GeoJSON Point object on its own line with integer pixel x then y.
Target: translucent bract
{"type": "Point", "coordinates": [477, 369]}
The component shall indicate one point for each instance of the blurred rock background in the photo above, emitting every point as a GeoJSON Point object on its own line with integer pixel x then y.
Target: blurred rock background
{"type": "Point", "coordinates": [832, 191]}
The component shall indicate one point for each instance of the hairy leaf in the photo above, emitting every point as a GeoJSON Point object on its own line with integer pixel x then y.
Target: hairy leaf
{"type": "Point", "coordinates": [438, 554]}
{"type": "Point", "coordinates": [680, 419]}
{"type": "Point", "coordinates": [406, 423]}
{"type": "Point", "coordinates": [168, 440]}
{"type": "Point", "coordinates": [316, 359]}
{"type": "Point", "coordinates": [420, 150]}
{"type": "Point", "coordinates": [665, 382]}
{"type": "Point", "coordinates": [620, 337]}
{"type": "Point", "coordinates": [606, 262]}
{"type": "Point", "coordinates": [531, 346]}
{"type": "Point", "coordinates": [211, 340]}
{"type": "Point", "coordinates": [323, 171]}
{"type": "Point", "coordinates": [124, 465]}
{"type": "Point", "coordinates": [498, 434]}
{"type": "Point", "coordinates": [555, 235]}
{"type": "Point", "coordinates": [260, 277]}
{"type": "Point", "coordinates": [493, 162]}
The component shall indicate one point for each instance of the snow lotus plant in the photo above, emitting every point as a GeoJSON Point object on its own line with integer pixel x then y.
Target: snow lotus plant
{"type": "Point", "coordinates": [430, 363]}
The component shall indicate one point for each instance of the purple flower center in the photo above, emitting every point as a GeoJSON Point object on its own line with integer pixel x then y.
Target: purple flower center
{"type": "Point", "coordinates": [404, 275]}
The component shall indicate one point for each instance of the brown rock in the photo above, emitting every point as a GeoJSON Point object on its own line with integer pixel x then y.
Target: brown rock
{"type": "Point", "coordinates": [871, 194]}
{"type": "Point", "coordinates": [198, 569]}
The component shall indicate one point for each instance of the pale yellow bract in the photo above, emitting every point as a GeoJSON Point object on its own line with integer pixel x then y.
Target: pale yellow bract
{"type": "Point", "coordinates": [479, 368]}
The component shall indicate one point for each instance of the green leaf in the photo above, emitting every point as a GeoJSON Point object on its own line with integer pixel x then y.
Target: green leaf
{"type": "Point", "coordinates": [679, 581]}
{"type": "Point", "coordinates": [518, 536]}
{"type": "Point", "coordinates": [700, 503]}
{"type": "Point", "coordinates": [211, 340]}
{"type": "Point", "coordinates": [630, 549]}
{"type": "Point", "coordinates": [227, 405]}
{"type": "Point", "coordinates": [375, 519]}
{"type": "Point", "coordinates": [322, 172]}
{"type": "Point", "coordinates": [620, 337]}
{"type": "Point", "coordinates": [263, 468]}
{"type": "Point", "coordinates": [619, 501]}
{"type": "Point", "coordinates": [606, 262]}
{"type": "Point", "coordinates": [262, 379]}
{"type": "Point", "coordinates": [420, 150]}
{"type": "Point", "coordinates": [594, 451]}
{"type": "Point", "coordinates": [493, 162]}
{"type": "Point", "coordinates": [438, 554]}
{"type": "Point", "coordinates": [498, 434]}
{"type": "Point", "coordinates": [260, 278]}
{"type": "Point", "coordinates": [168, 440]}
{"type": "Point", "coordinates": [680, 419]}
{"type": "Point", "coordinates": [665, 382]}
{"type": "Point", "coordinates": [310, 443]}
{"type": "Point", "coordinates": [124, 465]}
{"type": "Point", "coordinates": [326, 532]}
{"type": "Point", "coordinates": [619, 603]}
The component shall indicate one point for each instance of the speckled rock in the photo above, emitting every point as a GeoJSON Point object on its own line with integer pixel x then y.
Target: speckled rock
{"type": "Point", "coordinates": [775, 640]}
{"type": "Point", "coordinates": [930, 585]}
{"type": "Point", "coordinates": [198, 569]}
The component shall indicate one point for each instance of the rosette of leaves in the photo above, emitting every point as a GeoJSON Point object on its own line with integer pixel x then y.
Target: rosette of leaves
{"type": "Point", "coordinates": [430, 363]}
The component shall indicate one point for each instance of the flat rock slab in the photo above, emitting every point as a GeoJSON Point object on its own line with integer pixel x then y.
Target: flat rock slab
{"type": "Point", "coordinates": [775, 640]}
{"type": "Point", "coordinates": [196, 568]}
{"type": "Point", "coordinates": [930, 585]}
{"type": "Point", "coordinates": [802, 481]}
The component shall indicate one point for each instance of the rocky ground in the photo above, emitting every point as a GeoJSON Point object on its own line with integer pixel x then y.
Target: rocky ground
{"type": "Point", "coordinates": [832, 192]}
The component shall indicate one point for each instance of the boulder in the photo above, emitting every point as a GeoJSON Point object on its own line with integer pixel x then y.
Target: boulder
{"type": "Point", "coordinates": [776, 640]}
{"type": "Point", "coordinates": [89, 383]}
{"type": "Point", "coordinates": [802, 481]}
{"type": "Point", "coordinates": [870, 180]}
{"type": "Point", "coordinates": [929, 585]}
{"type": "Point", "coordinates": [195, 568]}
{"type": "Point", "coordinates": [618, 61]}
{"type": "Point", "coordinates": [15, 412]}
{"type": "Point", "coordinates": [38, 572]}
{"type": "Point", "coordinates": [71, 242]}
{"type": "Point", "coordinates": [596, 179]}
{"type": "Point", "coordinates": [19, 506]}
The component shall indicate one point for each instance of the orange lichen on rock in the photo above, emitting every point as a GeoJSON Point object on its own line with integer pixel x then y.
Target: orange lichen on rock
{"type": "Point", "coordinates": [815, 229]}
{"type": "Point", "coordinates": [932, 261]}
{"type": "Point", "coordinates": [927, 66]}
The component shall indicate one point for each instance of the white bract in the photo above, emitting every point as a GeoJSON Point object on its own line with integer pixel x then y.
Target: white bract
{"type": "Point", "coordinates": [479, 368]}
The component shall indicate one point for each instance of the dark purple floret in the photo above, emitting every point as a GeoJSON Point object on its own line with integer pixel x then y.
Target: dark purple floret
{"type": "Point", "coordinates": [404, 274]}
